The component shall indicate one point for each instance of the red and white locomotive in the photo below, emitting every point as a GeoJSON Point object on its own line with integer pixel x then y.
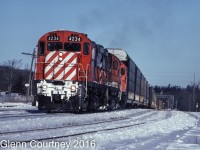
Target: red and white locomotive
{"type": "Point", "coordinates": [74, 73]}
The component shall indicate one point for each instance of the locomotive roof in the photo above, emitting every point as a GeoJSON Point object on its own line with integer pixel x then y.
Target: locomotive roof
{"type": "Point", "coordinates": [119, 53]}
{"type": "Point", "coordinates": [122, 55]}
{"type": "Point", "coordinates": [62, 30]}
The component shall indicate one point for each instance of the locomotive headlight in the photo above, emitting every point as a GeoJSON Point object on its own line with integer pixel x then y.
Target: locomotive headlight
{"type": "Point", "coordinates": [73, 88]}
{"type": "Point", "coordinates": [44, 87]}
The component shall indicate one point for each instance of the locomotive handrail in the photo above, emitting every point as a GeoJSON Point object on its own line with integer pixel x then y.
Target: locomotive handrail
{"type": "Point", "coordinates": [85, 76]}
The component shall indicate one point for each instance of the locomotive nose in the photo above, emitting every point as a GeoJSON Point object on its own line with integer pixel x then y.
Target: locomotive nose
{"type": "Point", "coordinates": [60, 65]}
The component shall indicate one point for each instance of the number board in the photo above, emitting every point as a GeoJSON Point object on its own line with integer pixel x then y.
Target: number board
{"type": "Point", "coordinates": [53, 37]}
{"type": "Point", "coordinates": [74, 38]}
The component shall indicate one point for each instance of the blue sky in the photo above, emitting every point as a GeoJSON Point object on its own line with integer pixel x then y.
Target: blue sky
{"type": "Point", "coordinates": [162, 36]}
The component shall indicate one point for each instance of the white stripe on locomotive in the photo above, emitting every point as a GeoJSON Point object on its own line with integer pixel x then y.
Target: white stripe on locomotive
{"type": "Point", "coordinates": [49, 66]}
{"type": "Point", "coordinates": [49, 56]}
{"type": "Point", "coordinates": [67, 69]}
{"type": "Point", "coordinates": [71, 75]}
{"type": "Point", "coordinates": [59, 67]}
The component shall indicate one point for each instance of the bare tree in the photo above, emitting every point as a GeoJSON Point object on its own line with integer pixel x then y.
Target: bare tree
{"type": "Point", "coordinates": [11, 66]}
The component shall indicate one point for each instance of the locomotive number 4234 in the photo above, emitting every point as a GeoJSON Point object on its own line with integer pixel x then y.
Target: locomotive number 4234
{"type": "Point", "coordinates": [74, 38]}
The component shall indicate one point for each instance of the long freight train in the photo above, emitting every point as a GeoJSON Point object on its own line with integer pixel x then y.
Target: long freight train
{"type": "Point", "coordinates": [74, 73]}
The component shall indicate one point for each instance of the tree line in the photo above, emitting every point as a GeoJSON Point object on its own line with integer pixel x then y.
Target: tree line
{"type": "Point", "coordinates": [185, 99]}
{"type": "Point", "coordinates": [13, 80]}
{"type": "Point", "coordinates": [12, 77]}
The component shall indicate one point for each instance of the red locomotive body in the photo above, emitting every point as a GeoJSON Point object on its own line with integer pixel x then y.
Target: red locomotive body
{"type": "Point", "coordinates": [74, 73]}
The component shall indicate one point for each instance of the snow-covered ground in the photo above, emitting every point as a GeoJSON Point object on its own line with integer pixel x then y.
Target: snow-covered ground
{"type": "Point", "coordinates": [121, 129]}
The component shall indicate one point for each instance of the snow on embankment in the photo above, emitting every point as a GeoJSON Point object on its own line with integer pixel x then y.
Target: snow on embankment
{"type": "Point", "coordinates": [178, 121]}
{"type": "Point", "coordinates": [153, 129]}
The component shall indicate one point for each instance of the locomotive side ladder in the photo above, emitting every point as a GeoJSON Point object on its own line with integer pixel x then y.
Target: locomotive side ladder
{"type": "Point", "coordinates": [84, 75]}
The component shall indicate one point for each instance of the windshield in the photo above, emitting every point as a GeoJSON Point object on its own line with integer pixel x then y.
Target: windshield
{"type": "Point", "coordinates": [72, 46]}
{"type": "Point", "coordinates": [54, 46]}
{"type": "Point", "coordinates": [68, 46]}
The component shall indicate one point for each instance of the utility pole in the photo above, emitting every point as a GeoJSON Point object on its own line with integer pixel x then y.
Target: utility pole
{"type": "Point", "coordinates": [193, 98]}
{"type": "Point", "coordinates": [29, 92]}
{"type": "Point", "coordinates": [190, 100]}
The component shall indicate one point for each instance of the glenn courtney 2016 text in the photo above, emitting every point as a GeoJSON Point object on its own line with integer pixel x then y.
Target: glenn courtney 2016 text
{"type": "Point", "coordinates": [49, 144]}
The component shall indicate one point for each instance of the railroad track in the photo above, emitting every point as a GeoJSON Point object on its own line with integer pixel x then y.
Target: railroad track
{"type": "Point", "coordinates": [61, 127]}
{"type": "Point", "coordinates": [84, 133]}
{"type": "Point", "coordinates": [88, 132]}
{"type": "Point", "coordinates": [85, 125]}
{"type": "Point", "coordinates": [69, 124]}
{"type": "Point", "coordinates": [20, 115]}
{"type": "Point", "coordinates": [36, 113]}
{"type": "Point", "coordinates": [24, 115]}
{"type": "Point", "coordinates": [90, 128]}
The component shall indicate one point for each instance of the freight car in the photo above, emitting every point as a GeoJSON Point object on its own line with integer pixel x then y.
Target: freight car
{"type": "Point", "coordinates": [74, 73]}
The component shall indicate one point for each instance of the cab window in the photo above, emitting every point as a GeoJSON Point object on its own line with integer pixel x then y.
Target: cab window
{"type": "Point", "coordinates": [115, 65]}
{"type": "Point", "coordinates": [122, 71]}
{"type": "Point", "coordinates": [41, 48]}
{"type": "Point", "coordinates": [72, 46]}
{"type": "Point", "coordinates": [86, 48]}
{"type": "Point", "coordinates": [54, 46]}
